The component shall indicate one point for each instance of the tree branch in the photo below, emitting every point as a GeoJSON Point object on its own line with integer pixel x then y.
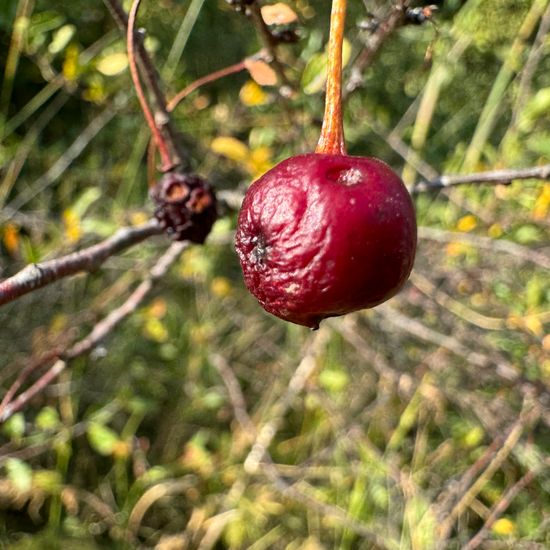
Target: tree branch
{"type": "Point", "coordinates": [167, 163]}
{"type": "Point", "coordinates": [100, 331]}
{"type": "Point", "coordinates": [384, 30]}
{"type": "Point", "coordinates": [151, 81]}
{"type": "Point", "coordinates": [36, 276]}
{"type": "Point", "coordinates": [495, 177]}
{"type": "Point", "coordinates": [499, 508]}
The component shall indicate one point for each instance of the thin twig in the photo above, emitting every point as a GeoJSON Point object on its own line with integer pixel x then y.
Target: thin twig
{"type": "Point", "coordinates": [176, 100]}
{"type": "Point", "coordinates": [167, 163]}
{"type": "Point", "coordinates": [67, 158]}
{"type": "Point", "coordinates": [385, 29]}
{"type": "Point", "coordinates": [296, 384]}
{"type": "Point", "coordinates": [207, 79]}
{"type": "Point", "coordinates": [33, 366]}
{"type": "Point", "coordinates": [535, 56]}
{"type": "Point", "coordinates": [486, 243]}
{"type": "Point", "coordinates": [448, 497]}
{"type": "Point", "coordinates": [502, 368]}
{"type": "Point", "coordinates": [151, 81]}
{"type": "Point", "coordinates": [36, 276]}
{"type": "Point", "coordinates": [494, 177]}
{"type": "Point", "coordinates": [499, 508]}
{"type": "Point", "coordinates": [269, 469]}
{"type": "Point", "coordinates": [100, 331]}
{"type": "Point", "coordinates": [508, 444]}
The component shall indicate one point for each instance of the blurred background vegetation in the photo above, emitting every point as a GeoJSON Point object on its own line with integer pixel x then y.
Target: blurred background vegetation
{"type": "Point", "coordinates": [413, 425]}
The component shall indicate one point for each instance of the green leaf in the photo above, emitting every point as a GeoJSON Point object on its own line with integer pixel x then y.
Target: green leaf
{"type": "Point", "coordinates": [86, 199]}
{"type": "Point", "coordinates": [537, 107]}
{"type": "Point", "coordinates": [315, 72]}
{"type": "Point", "coordinates": [101, 438]}
{"type": "Point", "coordinates": [14, 427]}
{"type": "Point", "coordinates": [19, 473]}
{"type": "Point", "coordinates": [61, 38]}
{"type": "Point", "coordinates": [47, 419]}
{"type": "Point", "coordinates": [333, 380]}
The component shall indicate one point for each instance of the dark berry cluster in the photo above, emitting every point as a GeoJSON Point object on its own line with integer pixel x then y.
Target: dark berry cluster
{"type": "Point", "coordinates": [185, 206]}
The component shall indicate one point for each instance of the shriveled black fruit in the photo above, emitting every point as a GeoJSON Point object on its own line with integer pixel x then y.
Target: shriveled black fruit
{"type": "Point", "coordinates": [185, 206]}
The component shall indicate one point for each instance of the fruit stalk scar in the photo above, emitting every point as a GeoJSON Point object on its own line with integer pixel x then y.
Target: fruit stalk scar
{"type": "Point", "coordinates": [331, 140]}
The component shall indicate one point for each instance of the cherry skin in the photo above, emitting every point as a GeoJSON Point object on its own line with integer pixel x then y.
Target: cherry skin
{"type": "Point", "coordinates": [321, 235]}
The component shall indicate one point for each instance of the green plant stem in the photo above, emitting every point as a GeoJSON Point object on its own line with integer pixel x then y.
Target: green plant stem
{"type": "Point", "coordinates": [493, 105]}
{"type": "Point", "coordinates": [20, 27]}
{"type": "Point", "coordinates": [181, 39]}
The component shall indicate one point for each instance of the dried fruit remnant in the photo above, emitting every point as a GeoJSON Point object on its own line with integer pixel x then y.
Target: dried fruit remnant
{"type": "Point", "coordinates": [185, 206]}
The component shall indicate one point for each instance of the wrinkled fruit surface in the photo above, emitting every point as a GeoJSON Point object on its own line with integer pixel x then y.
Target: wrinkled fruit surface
{"type": "Point", "coordinates": [185, 206]}
{"type": "Point", "coordinates": [323, 235]}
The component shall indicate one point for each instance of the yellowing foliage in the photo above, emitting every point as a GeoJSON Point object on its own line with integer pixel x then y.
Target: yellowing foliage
{"type": "Point", "coordinates": [220, 287]}
{"type": "Point", "coordinates": [112, 64]}
{"type": "Point", "coordinates": [252, 95]}
{"type": "Point", "coordinates": [231, 148]}
{"type": "Point", "coordinates": [261, 72]}
{"type": "Point", "coordinates": [73, 230]}
{"type": "Point", "coordinates": [503, 527]}
{"type": "Point", "coordinates": [495, 231]}
{"type": "Point", "coordinates": [256, 161]}
{"type": "Point", "coordinates": [71, 66]}
{"type": "Point", "coordinates": [278, 14]}
{"type": "Point", "coordinates": [11, 238]}
{"type": "Point", "coordinates": [542, 204]}
{"type": "Point", "coordinates": [467, 223]}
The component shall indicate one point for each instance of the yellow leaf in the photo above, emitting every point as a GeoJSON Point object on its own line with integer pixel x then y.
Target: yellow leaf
{"type": "Point", "coordinates": [71, 222]}
{"type": "Point", "coordinates": [503, 527]}
{"type": "Point", "coordinates": [261, 72]}
{"type": "Point", "coordinates": [220, 287]}
{"type": "Point", "coordinates": [231, 148]}
{"type": "Point", "coordinates": [495, 231]}
{"type": "Point", "coordinates": [155, 330]}
{"type": "Point", "coordinates": [278, 14]}
{"type": "Point", "coordinates": [259, 161]}
{"type": "Point", "coordinates": [121, 449]}
{"type": "Point", "coordinates": [95, 92]}
{"type": "Point", "coordinates": [252, 95]}
{"type": "Point", "coordinates": [466, 223]}
{"type": "Point", "coordinates": [11, 238]}
{"type": "Point", "coordinates": [112, 64]}
{"type": "Point", "coordinates": [513, 321]}
{"type": "Point", "coordinates": [542, 204]}
{"type": "Point", "coordinates": [71, 67]}
{"type": "Point", "coordinates": [157, 309]}
{"type": "Point", "coordinates": [457, 249]}
{"type": "Point", "coordinates": [201, 102]}
{"type": "Point", "coordinates": [58, 323]}
{"type": "Point", "coordinates": [534, 325]}
{"type": "Point", "coordinates": [139, 217]}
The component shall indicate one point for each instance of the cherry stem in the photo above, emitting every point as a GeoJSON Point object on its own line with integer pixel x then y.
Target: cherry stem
{"type": "Point", "coordinates": [212, 77]}
{"type": "Point", "coordinates": [167, 163]}
{"type": "Point", "coordinates": [332, 140]}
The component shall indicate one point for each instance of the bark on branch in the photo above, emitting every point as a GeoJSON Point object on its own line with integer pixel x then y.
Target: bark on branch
{"type": "Point", "coordinates": [36, 276]}
{"type": "Point", "coordinates": [495, 177]}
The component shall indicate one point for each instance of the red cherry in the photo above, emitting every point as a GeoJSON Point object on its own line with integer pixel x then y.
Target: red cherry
{"type": "Point", "coordinates": [321, 235]}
